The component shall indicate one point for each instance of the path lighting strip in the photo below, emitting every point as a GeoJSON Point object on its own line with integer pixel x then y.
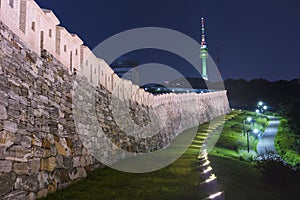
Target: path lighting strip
{"type": "Point", "coordinates": [207, 170]}
{"type": "Point", "coordinates": [206, 163]}
{"type": "Point", "coordinates": [211, 178]}
{"type": "Point", "coordinates": [215, 195]}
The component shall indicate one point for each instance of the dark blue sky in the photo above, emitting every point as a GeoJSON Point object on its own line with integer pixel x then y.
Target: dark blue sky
{"type": "Point", "coordinates": [257, 38]}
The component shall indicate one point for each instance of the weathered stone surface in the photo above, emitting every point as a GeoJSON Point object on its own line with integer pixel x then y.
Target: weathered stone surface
{"type": "Point", "coordinates": [67, 162]}
{"type": "Point", "coordinates": [64, 175]}
{"type": "Point", "coordinates": [60, 149]}
{"type": "Point", "coordinates": [43, 180]}
{"type": "Point", "coordinates": [18, 153]}
{"type": "Point", "coordinates": [3, 98]}
{"type": "Point", "coordinates": [46, 144]}
{"type": "Point", "coordinates": [15, 195]}
{"type": "Point", "coordinates": [52, 188]}
{"type": "Point", "coordinates": [10, 126]}
{"type": "Point", "coordinates": [26, 141]}
{"type": "Point", "coordinates": [2, 152]}
{"type": "Point", "coordinates": [31, 196]}
{"type": "Point", "coordinates": [3, 112]}
{"type": "Point", "coordinates": [36, 141]}
{"type": "Point", "coordinates": [48, 164]}
{"type": "Point", "coordinates": [35, 165]}
{"type": "Point", "coordinates": [27, 183]}
{"type": "Point", "coordinates": [6, 183]}
{"type": "Point", "coordinates": [42, 194]}
{"type": "Point", "coordinates": [7, 139]}
{"type": "Point", "coordinates": [76, 162]}
{"type": "Point", "coordinates": [5, 166]}
{"type": "Point", "coordinates": [77, 173]}
{"type": "Point", "coordinates": [21, 168]}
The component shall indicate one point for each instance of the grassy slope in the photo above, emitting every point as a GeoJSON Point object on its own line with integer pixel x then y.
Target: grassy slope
{"type": "Point", "coordinates": [287, 142]}
{"type": "Point", "coordinates": [177, 181]}
{"type": "Point", "coordinates": [241, 181]}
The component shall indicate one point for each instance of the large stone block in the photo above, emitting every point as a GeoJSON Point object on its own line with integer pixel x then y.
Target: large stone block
{"type": "Point", "coordinates": [48, 164]}
{"type": "Point", "coordinates": [10, 126]}
{"type": "Point", "coordinates": [5, 166]}
{"type": "Point", "coordinates": [7, 139]}
{"type": "Point", "coordinates": [15, 195]}
{"type": "Point", "coordinates": [43, 180]}
{"type": "Point", "coordinates": [6, 182]}
{"type": "Point", "coordinates": [35, 165]}
{"type": "Point", "coordinates": [18, 153]}
{"type": "Point", "coordinates": [78, 173]}
{"type": "Point", "coordinates": [42, 194]}
{"type": "Point", "coordinates": [27, 183]}
{"type": "Point", "coordinates": [21, 168]}
{"type": "Point", "coordinates": [3, 112]}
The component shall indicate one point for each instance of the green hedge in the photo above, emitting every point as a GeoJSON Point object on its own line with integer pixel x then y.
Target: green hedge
{"type": "Point", "coordinates": [287, 143]}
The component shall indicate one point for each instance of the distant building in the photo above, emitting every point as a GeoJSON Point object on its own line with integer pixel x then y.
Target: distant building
{"type": "Point", "coordinates": [126, 69]}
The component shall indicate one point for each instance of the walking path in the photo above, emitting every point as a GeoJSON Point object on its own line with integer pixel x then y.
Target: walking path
{"type": "Point", "coordinates": [266, 142]}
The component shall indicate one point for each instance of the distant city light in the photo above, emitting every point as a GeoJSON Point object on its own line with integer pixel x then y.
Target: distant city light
{"type": "Point", "coordinates": [260, 103]}
{"type": "Point", "coordinates": [146, 88]}
{"type": "Point", "coordinates": [158, 89]}
{"type": "Point", "coordinates": [265, 107]}
{"type": "Point", "coordinates": [257, 111]}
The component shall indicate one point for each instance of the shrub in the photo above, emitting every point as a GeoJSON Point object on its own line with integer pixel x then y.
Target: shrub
{"type": "Point", "coordinates": [276, 170]}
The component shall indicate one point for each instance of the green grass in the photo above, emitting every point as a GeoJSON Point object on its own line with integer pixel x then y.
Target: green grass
{"type": "Point", "coordinates": [241, 181]}
{"type": "Point", "coordinates": [287, 143]}
{"type": "Point", "coordinates": [179, 180]}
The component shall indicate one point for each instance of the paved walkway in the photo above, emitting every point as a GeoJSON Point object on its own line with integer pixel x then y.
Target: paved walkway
{"type": "Point", "coordinates": [266, 142]}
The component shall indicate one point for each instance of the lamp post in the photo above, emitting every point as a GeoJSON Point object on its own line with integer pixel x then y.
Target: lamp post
{"type": "Point", "coordinates": [248, 143]}
{"type": "Point", "coordinates": [261, 107]}
{"type": "Point", "coordinates": [248, 119]}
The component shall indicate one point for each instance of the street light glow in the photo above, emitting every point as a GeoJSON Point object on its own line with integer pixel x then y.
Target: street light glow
{"type": "Point", "coordinates": [265, 107]}
{"type": "Point", "coordinates": [260, 103]}
{"type": "Point", "coordinates": [257, 111]}
{"type": "Point", "coordinates": [249, 119]}
{"type": "Point", "coordinates": [255, 131]}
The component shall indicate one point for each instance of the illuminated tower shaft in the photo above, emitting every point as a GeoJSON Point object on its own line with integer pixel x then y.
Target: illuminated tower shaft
{"type": "Point", "coordinates": [203, 52]}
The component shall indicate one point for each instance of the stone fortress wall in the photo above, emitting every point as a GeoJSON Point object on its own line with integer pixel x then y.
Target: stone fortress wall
{"type": "Point", "coordinates": [40, 30]}
{"type": "Point", "coordinates": [40, 150]}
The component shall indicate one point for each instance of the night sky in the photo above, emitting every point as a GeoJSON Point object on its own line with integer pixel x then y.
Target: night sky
{"type": "Point", "coordinates": [257, 38]}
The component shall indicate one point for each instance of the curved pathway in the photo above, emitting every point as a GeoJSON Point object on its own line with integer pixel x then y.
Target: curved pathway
{"type": "Point", "coordinates": [266, 142]}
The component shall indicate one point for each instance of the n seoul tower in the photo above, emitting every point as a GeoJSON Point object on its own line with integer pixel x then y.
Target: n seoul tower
{"type": "Point", "coordinates": [203, 52]}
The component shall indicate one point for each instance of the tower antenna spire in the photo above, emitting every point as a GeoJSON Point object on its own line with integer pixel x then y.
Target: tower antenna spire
{"type": "Point", "coordinates": [203, 42]}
